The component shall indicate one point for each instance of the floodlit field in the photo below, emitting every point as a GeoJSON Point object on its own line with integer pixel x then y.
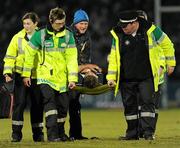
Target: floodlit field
{"type": "Point", "coordinates": [108, 125]}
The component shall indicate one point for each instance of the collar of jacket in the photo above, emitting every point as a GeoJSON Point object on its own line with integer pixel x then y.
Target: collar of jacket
{"type": "Point", "coordinates": [57, 34]}
{"type": "Point", "coordinates": [22, 33]}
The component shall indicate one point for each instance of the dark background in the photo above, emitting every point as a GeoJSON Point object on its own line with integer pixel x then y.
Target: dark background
{"type": "Point", "coordinates": [103, 16]}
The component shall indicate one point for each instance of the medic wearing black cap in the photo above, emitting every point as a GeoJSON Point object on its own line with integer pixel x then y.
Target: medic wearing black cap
{"type": "Point", "coordinates": [135, 66]}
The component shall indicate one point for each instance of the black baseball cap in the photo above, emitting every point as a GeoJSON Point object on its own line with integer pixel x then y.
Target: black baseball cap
{"type": "Point", "coordinates": [126, 17]}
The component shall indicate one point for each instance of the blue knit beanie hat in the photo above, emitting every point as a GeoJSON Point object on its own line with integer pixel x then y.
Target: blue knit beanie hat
{"type": "Point", "coordinates": [79, 16]}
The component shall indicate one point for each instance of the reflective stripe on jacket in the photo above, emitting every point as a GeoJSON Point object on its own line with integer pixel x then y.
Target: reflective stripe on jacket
{"type": "Point", "coordinates": [14, 57]}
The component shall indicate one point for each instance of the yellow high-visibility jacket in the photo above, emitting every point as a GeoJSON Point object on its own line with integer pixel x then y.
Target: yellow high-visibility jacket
{"type": "Point", "coordinates": [14, 57]}
{"type": "Point", "coordinates": [56, 61]}
{"type": "Point", "coordinates": [158, 42]}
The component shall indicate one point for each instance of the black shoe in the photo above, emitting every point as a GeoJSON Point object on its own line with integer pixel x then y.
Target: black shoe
{"type": "Point", "coordinates": [141, 135]}
{"type": "Point", "coordinates": [54, 140]}
{"type": "Point", "coordinates": [149, 137]}
{"type": "Point", "coordinates": [71, 138]}
{"type": "Point", "coordinates": [79, 138]}
{"type": "Point", "coordinates": [64, 138]}
{"type": "Point", "coordinates": [16, 137]}
{"type": "Point", "coordinates": [94, 138]}
{"type": "Point", "coordinates": [128, 138]}
{"type": "Point", "coordinates": [39, 138]}
{"type": "Point", "coordinates": [15, 140]}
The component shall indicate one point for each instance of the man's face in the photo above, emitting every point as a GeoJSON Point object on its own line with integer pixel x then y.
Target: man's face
{"type": "Point", "coordinates": [82, 26]}
{"type": "Point", "coordinates": [29, 26]}
{"type": "Point", "coordinates": [90, 73]}
{"type": "Point", "coordinates": [57, 25]}
{"type": "Point", "coordinates": [129, 28]}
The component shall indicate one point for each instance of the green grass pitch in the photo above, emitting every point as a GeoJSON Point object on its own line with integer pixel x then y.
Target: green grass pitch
{"type": "Point", "coordinates": [108, 125]}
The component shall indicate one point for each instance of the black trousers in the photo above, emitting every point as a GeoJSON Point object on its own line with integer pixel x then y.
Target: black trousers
{"type": "Point", "coordinates": [75, 115]}
{"type": "Point", "coordinates": [55, 107]}
{"type": "Point", "coordinates": [158, 96]}
{"type": "Point", "coordinates": [135, 94]}
{"type": "Point", "coordinates": [62, 102]}
{"type": "Point", "coordinates": [36, 111]}
{"type": "Point", "coordinates": [75, 108]}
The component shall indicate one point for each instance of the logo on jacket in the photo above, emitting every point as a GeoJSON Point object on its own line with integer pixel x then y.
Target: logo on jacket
{"type": "Point", "coordinates": [127, 42]}
{"type": "Point", "coordinates": [63, 45]}
{"type": "Point", "coordinates": [48, 44]}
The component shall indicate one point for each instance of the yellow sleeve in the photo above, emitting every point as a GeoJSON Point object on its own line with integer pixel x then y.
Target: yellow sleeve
{"type": "Point", "coordinates": [10, 57]}
{"type": "Point", "coordinates": [71, 60]}
{"type": "Point", "coordinates": [29, 60]}
{"type": "Point", "coordinates": [169, 51]}
{"type": "Point", "coordinates": [112, 67]}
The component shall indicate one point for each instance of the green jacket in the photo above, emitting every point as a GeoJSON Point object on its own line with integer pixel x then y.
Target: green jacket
{"type": "Point", "coordinates": [158, 42]}
{"type": "Point", "coordinates": [56, 58]}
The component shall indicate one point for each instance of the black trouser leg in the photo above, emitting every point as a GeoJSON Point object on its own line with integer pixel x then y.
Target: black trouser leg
{"type": "Point", "coordinates": [18, 108]}
{"type": "Point", "coordinates": [50, 111]}
{"type": "Point", "coordinates": [62, 101]}
{"type": "Point", "coordinates": [36, 112]}
{"type": "Point", "coordinates": [147, 95]}
{"type": "Point", "coordinates": [75, 115]}
{"type": "Point", "coordinates": [129, 98]}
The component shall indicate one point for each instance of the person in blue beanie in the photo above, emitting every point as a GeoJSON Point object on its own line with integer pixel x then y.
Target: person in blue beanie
{"type": "Point", "coordinates": [79, 28]}
{"type": "Point", "coordinates": [81, 16]}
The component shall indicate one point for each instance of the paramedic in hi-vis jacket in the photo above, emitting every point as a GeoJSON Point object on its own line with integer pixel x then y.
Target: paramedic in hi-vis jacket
{"type": "Point", "coordinates": [13, 67]}
{"type": "Point", "coordinates": [54, 49]}
{"type": "Point", "coordinates": [135, 67]}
